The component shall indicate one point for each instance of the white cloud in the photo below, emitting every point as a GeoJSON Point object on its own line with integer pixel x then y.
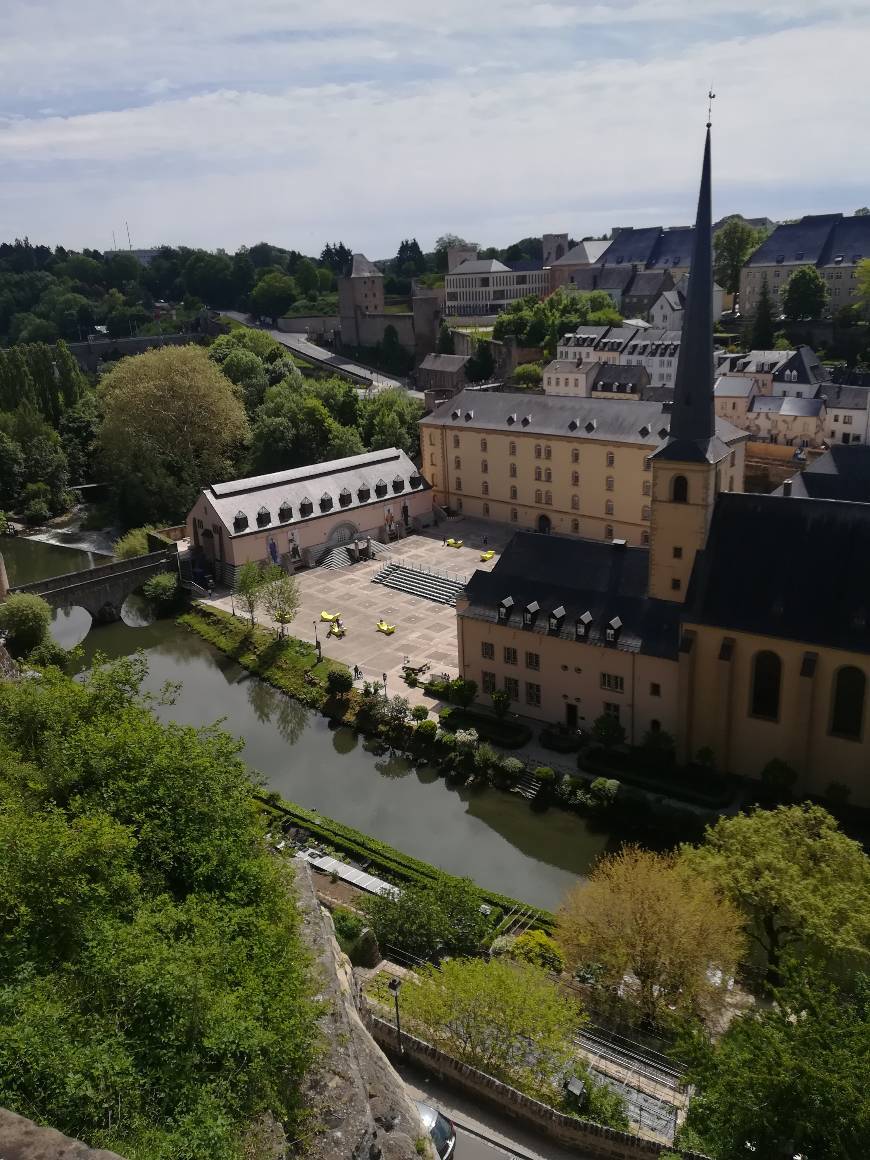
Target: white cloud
{"type": "Point", "coordinates": [212, 138]}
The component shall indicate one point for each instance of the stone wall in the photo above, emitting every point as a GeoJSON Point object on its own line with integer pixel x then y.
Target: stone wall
{"type": "Point", "coordinates": [90, 355]}
{"type": "Point", "coordinates": [313, 324]}
{"type": "Point", "coordinates": [596, 1141]}
{"type": "Point", "coordinates": [21, 1139]}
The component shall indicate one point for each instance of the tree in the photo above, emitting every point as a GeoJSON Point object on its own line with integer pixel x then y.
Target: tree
{"type": "Point", "coordinates": [273, 296]}
{"type": "Point", "coordinates": [787, 1080]}
{"type": "Point", "coordinates": [24, 619]}
{"type": "Point", "coordinates": [608, 731]}
{"type": "Point", "coordinates": [247, 371]}
{"type": "Point", "coordinates": [805, 294]}
{"type": "Point", "coordinates": [802, 885]}
{"type": "Point", "coordinates": [644, 915]}
{"type": "Point", "coordinates": [445, 344]}
{"type": "Point", "coordinates": [481, 365]}
{"type": "Point", "coordinates": [250, 582]}
{"type": "Point", "coordinates": [732, 245]}
{"type": "Point", "coordinates": [409, 258]}
{"type": "Point", "coordinates": [336, 256]}
{"type": "Point", "coordinates": [862, 274]}
{"type": "Point", "coordinates": [428, 921]}
{"type": "Point", "coordinates": [280, 600]}
{"type": "Point", "coordinates": [505, 1019]}
{"type": "Point", "coordinates": [305, 276]}
{"type": "Point", "coordinates": [501, 703]}
{"type": "Point", "coordinates": [463, 692]}
{"type": "Point", "coordinates": [339, 682]}
{"type": "Point", "coordinates": [528, 375]}
{"type": "Point", "coordinates": [172, 422]}
{"type": "Point", "coordinates": [11, 470]}
{"type": "Point", "coordinates": [762, 333]}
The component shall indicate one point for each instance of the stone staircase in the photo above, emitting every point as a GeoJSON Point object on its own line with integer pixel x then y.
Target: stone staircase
{"type": "Point", "coordinates": [342, 557]}
{"type": "Point", "coordinates": [528, 785]}
{"type": "Point", "coordinates": [415, 582]}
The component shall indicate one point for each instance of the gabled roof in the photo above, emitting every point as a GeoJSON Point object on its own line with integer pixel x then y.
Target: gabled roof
{"type": "Point", "coordinates": [631, 247]}
{"type": "Point", "coordinates": [734, 387]}
{"type": "Point", "coordinates": [649, 282]}
{"type": "Point", "coordinates": [444, 362]}
{"type": "Point", "coordinates": [846, 397]}
{"type": "Point", "coordinates": [480, 266]}
{"type": "Point", "coordinates": [755, 574]}
{"type": "Point", "coordinates": [806, 363]}
{"type": "Point", "coordinates": [786, 406]}
{"type": "Point", "coordinates": [796, 243]}
{"type": "Point", "coordinates": [673, 298]}
{"type": "Point", "coordinates": [361, 267]}
{"type": "Point", "coordinates": [842, 473]}
{"type": "Point", "coordinates": [610, 376]}
{"type": "Point", "coordinates": [603, 278]}
{"type": "Point", "coordinates": [607, 420]}
{"type": "Point", "coordinates": [673, 248]}
{"type": "Point", "coordinates": [848, 241]}
{"type": "Point", "coordinates": [260, 498]}
{"type": "Point", "coordinates": [580, 576]}
{"type": "Point", "coordinates": [583, 254]}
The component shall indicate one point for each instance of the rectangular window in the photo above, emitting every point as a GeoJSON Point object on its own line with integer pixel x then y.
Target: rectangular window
{"type": "Point", "coordinates": [611, 709]}
{"type": "Point", "coordinates": [512, 688]}
{"type": "Point", "coordinates": [676, 584]}
{"type": "Point", "coordinates": [431, 438]}
{"type": "Point", "coordinates": [510, 655]}
{"type": "Point", "coordinates": [513, 515]}
{"type": "Point", "coordinates": [655, 689]}
{"type": "Point", "coordinates": [678, 553]}
{"type": "Point", "coordinates": [483, 445]}
{"type": "Point", "coordinates": [513, 471]}
{"type": "Point", "coordinates": [486, 509]}
{"type": "Point", "coordinates": [488, 682]}
{"type": "Point", "coordinates": [533, 693]}
{"type": "Point", "coordinates": [487, 650]}
{"type": "Point", "coordinates": [533, 660]}
{"type": "Point", "coordinates": [458, 484]}
{"type": "Point", "coordinates": [613, 682]}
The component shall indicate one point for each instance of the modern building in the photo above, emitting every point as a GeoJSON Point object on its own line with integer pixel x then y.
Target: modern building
{"type": "Point", "coordinates": [743, 630]}
{"type": "Point", "coordinates": [483, 286]}
{"type": "Point", "coordinates": [831, 242]}
{"type": "Point", "coordinates": [295, 517]}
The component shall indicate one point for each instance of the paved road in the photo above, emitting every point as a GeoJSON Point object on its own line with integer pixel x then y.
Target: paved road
{"type": "Point", "coordinates": [302, 346]}
{"type": "Point", "coordinates": [482, 1134]}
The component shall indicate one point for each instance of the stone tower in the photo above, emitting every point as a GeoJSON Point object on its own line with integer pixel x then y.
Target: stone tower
{"type": "Point", "coordinates": [360, 291]}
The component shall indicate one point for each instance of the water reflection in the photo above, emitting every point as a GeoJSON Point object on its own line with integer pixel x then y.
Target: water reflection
{"type": "Point", "coordinates": [70, 626]}
{"type": "Point", "coordinates": [344, 740]}
{"type": "Point", "coordinates": [393, 766]}
{"type": "Point", "coordinates": [137, 611]}
{"type": "Point", "coordinates": [271, 707]}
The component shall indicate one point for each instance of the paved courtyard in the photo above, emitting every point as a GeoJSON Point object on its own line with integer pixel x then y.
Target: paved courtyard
{"type": "Point", "coordinates": [425, 631]}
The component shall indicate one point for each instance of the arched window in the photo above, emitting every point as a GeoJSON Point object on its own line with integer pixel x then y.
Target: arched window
{"type": "Point", "coordinates": [513, 493]}
{"type": "Point", "coordinates": [538, 496]}
{"type": "Point", "coordinates": [539, 473]}
{"type": "Point", "coordinates": [484, 488]}
{"type": "Point", "coordinates": [766, 679]}
{"type": "Point", "coordinates": [537, 451]}
{"type": "Point", "coordinates": [610, 459]}
{"type": "Point", "coordinates": [608, 507]}
{"type": "Point", "coordinates": [847, 703]}
{"type": "Point", "coordinates": [575, 478]}
{"type": "Point", "coordinates": [548, 497]}
{"type": "Point", "coordinates": [680, 489]}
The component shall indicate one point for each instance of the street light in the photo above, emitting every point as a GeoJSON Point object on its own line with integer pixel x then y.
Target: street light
{"type": "Point", "coordinates": [394, 985]}
{"type": "Point", "coordinates": [316, 640]}
{"type": "Point", "coordinates": [384, 675]}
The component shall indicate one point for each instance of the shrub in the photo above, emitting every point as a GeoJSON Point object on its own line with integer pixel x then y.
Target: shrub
{"type": "Point", "coordinates": [607, 731]}
{"type": "Point", "coordinates": [501, 703]}
{"type": "Point", "coordinates": [338, 682]}
{"type": "Point", "coordinates": [511, 769]}
{"type": "Point", "coordinates": [411, 680]}
{"type": "Point", "coordinates": [463, 693]}
{"type": "Point", "coordinates": [778, 776]}
{"type": "Point", "coordinates": [420, 713]}
{"type": "Point", "coordinates": [48, 653]}
{"type": "Point", "coordinates": [426, 730]}
{"type": "Point", "coordinates": [134, 543]}
{"type": "Point", "coordinates": [505, 734]}
{"type": "Point", "coordinates": [604, 790]}
{"type": "Point", "coordinates": [25, 620]}
{"type": "Point", "coordinates": [537, 948]}
{"type": "Point", "coordinates": [4, 524]}
{"type": "Point", "coordinates": [436, 687]}
{"type": "Point", "coordinates": [37, 512]}
{"type": "Point", "coordinates": [347, 924]}
{"type": "Point", "coordinates": [545, 774]}
{"type": "Point", "coordinates": [163, 592]}
{"type": "Point", "coordinates": [559, 740]}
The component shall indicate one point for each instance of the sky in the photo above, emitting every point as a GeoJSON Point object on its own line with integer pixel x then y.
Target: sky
{"type": "Point", "coordinates": [218, 124]}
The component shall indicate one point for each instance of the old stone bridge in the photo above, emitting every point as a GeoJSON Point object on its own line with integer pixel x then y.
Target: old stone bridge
{"type": "Point", "coordinates": [103, 590]}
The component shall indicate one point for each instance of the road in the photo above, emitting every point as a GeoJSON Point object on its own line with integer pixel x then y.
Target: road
{"type": "Point", "coordinates": [482, 1134]}
{"type": "Point", "coordinates": [302, 346]}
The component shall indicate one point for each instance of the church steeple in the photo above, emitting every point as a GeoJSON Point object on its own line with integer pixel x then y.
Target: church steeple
{"type": "Point", "coordinates": [693, 419]}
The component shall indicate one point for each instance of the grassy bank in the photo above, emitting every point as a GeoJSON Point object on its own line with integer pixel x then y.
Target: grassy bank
{"type": "Point", "coordinates": [281, 662]}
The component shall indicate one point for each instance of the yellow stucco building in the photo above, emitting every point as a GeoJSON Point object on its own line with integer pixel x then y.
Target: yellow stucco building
{"type": "Point", "coordinates": [739, 623]}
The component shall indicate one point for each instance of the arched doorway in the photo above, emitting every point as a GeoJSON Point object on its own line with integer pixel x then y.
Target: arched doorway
{"type": "Point", "coordinates": [545, 525]}
{"type": "Point", "coordinates": [342, 534]}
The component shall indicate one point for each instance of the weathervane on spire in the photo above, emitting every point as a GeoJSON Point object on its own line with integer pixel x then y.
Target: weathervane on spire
{"type": "Point", "coordinates": [711, 96]}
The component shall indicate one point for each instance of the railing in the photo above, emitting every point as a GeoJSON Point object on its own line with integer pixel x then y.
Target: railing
{"type": "Point", "coordinates": [453, 577]}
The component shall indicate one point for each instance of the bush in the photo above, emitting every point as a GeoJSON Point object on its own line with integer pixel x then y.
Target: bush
{"type": "Point", "coordinates": [545, 774]}
{"type": "Point", "coordinates": [607, 731]}
{"type": "Point", "coordinates": [501, 703]}
{"type": "Point", "coordinates": [163, 591]}
{"type": "Point", "coordinates": [426, 731]}
{"type": "Point", "coordinates": [420, 713]}
{"type": "Point", "coordinates": [48, 653]}
{"type": "Point", "coordinates": [463, 693]}
{"type": "Point", "coordinates": [135, 543]}
{"type": "Point", "coordinates": [779, 777]}
{"type": "Point", "coordinates": [505, 734]}
{"type": "Point", "coordinates": [436, 687]}
{"type": "Point", "coordinates": [347, 924]}
{"type": "Point", "coordinates": [37, 512]}
{"type": "Point", "coordinates": [339, 682]}
{"type": "Point", "coordinates": [25, 620]}
{"type": "Point", "coordinates": [4, 524]}
{"type": "Point", "coordinates": [537, 948]}
{"type": "Point", "coordinates": [604, 790]}
{"type": "Point", "coordinates": [511, 769]}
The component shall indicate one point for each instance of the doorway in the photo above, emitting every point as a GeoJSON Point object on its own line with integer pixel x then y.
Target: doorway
{"type": "Point", "coordinates": [570, 716]}
{"type": "Point", "coordinates": [545, 525]}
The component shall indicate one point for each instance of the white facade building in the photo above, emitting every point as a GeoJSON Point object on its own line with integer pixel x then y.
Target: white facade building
{"type": "Point", "coordinates": [486, 286]}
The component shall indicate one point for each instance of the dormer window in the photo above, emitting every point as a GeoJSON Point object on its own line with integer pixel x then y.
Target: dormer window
{"type": "Point", "coordinates": [556, 618]}
{"type": "Point", "coordinates": [611, 633]}
{"type": "Point", "coordinates": [285, 511]}
{"type": "Point", "coordinates": [306, 507]}
{"type": "Point", "coordinates": [530, 613]}
{"type": "Point", "coordinates": [526, 420]}
{"type": "Point", "coordinates": [644, 431]}
{"type": "Point", "coordinates": [264, 516]}
{"type": "Point", "coordinates": [345, 496]}
{"type": "Point", "coordinates": [663, 432]}
{"type": "Point", "coordinates": [416, 479]}
{"type": "Point", "coordinates": [469, 415]}
{"type": "Point", "coordinates": [240, 522]}
{"type": "Point", "coordinates": [398, 483]}
{"type": "Point", "coordinates": [454, 414]}
{"type": "Point", "coordinates": [504, 609]}
{"type": "Point", "coordinates": [363, 494]}
{"type": "Point", "coordinates": [325, 502]}
{"type": "Point", "coordinates": [511, 419]}
{"type": "Point", "coordinates": [591, 425]}
{"type": "Point", "coordinates": [381, 487]}
{"type": "Point", "coordinates": [581, 627]}
{"type": "Point", "coordinates": [574, 424]}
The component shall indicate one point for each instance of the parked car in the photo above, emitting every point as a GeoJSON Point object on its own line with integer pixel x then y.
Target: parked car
{"type": "Point", "coordinates": [440, 1130]}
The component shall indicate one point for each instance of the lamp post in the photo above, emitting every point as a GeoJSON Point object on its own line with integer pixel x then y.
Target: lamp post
{"type": "Point", "coordinates": [395, 985]}
{"type": "Point", "coordinates": [316, 640]}
{"type": "Point", "coordinates": [384, 675]}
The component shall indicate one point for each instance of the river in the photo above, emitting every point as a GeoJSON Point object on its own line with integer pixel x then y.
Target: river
{"type": "Point", "coordinates": [492, 837]}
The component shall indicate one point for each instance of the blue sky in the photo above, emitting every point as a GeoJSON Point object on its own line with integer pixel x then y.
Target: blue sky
{"type": "Point", "coordinates": [214, 123]}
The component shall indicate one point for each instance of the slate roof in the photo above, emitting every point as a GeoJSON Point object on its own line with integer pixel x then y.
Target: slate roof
{"type": "Point", "coordinates": [606, 580]}
{"type": "Point", "coordinates": [526, 265]}
{"type": "Point", "coordinates": [796, 243]}
{"type": "Point", "coordinates": [674, 298]}
{"type": "Point", "coordinates": [849, 240]}
{"type": "Point", "coordinates": [734, 387]}
{"type": "Point", "coordinates": [790, 568]}
{"type": "Point", "coordinates": [352, 475]}
{"type": "Point", "coordinates": [361, 267]}
{"type": "Point", "coordinates": [444, 362]}
{"type": "Point", "coordinates": [674, 247]}
{"type": "Point", "coordinates": [612, 377]}
{"type": "Point", "coordinates": [607, 278]}
{"type": "Point", "coordinates": [806, 363]}
{"type": "Point", "coordinates": [617, 338]}
{"type": "Point", "coordinates": [606, 420]}
{"type": "Point", "coordinates": [785, 405]}
{"type": "Point", "coordinates": [631, 246]}
{"type": "Point", "coordinates": [845, 396]}
{"type": "Point", "coordinates": [586, 335]}
{"type": "Point", "coordinates": [480, 266]}
{"type": "Point", "coordinates": [648, 283]}
{"type": "Point", "coordinates": [842, 473]}
{"type": "Point", "coordinates": [583, 254]}
{"type": "Point", "coordinates": [655, 342]}
{"type": "Point", "coordinates": [560, 365]}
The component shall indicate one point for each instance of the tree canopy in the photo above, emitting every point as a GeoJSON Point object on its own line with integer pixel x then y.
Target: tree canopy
{"type": "Point", "coordinates": [534, 323]}
{"type": "Point", "coordinates": [155, 995]}
{"type": "Point", "coordinates": [762, 334]}
{"type": "Point", "coordinates": [172, 423]}
{"type": "Point", "coordinates": [427, 922]}
{"type": "Point", "coordinates": [805, 294]}
{"type": "Point", "coordinates": [732, 245]}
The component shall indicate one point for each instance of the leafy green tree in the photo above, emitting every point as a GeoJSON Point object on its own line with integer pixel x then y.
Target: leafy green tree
{"type": "Point", "coordinates": [339, 682]}
{"type": "Point", "coordinates": [787, 1080]}
{"type": "Point", "coordinates": [445, 344]}
{"type": "Point", "coordinates": [445, 243]}
{"type": "Point", "coordinates": [537, 948]}
{"type": "Point", "coordinates": [250, 581]}
{"type": "Point", "coordinates": [644, 915]}
{"type": "Point", "coordinates": [608, 731]}
{"type": "Point", "coordinates": [409, 258]}
{"type": "Point", "coordinates": [24, 619]}
{"type": "Point", "coordinates": [163, 591]}
{"type": "Point", "coordinates": [306, 278]}
{"type": "Point", "coordinates": [428, 921]}
{"type": "Point", "coordinates": [273, 296]}
{"type": "Point", "coordinates": [243, 368]}
{"type": "Point", "coordinates": [133, 543]}
{"type": "Point", "coordinates": [501, 703]}
{"type": "Point", "coordinates": [481, 365]}
{"type": "Point", "coordinates": [764, 320]}
{"type": "Point", "coordinates": [732, 245]}
{"type": "Point", "coordinates": [528, 375]}
{"type": "Point", "coordinates": [463, 692]}
{"type": "Point", "coordinates": [805, 294]}
{"type": "Point", "coordinates": [172, 423]}
{"type": "Point", "coordinates": [802, 885]}
{"type": "Point", "coordinates": [11, 470]}
{"type": "Point", "coordinates": [279, 599]}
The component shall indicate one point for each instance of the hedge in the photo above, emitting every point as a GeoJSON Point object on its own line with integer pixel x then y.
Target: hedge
{"type": "Point", "coordinates": [507, 734]}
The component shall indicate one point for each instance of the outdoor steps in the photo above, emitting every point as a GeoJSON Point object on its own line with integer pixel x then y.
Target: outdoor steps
{"type": "Point", "coordinates": [415, 582]}
{"type": "Point", "coordinates": [341, 557]}
{"type": "Point", "coordinates": [528, 786]}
